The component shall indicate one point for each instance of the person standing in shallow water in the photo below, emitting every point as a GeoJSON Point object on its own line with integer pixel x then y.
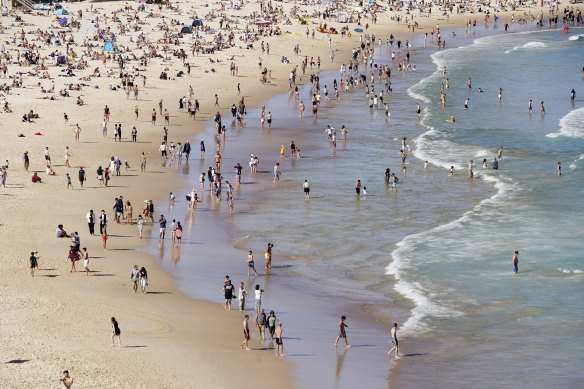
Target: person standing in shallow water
{"type": "Point", "coordinates": [250, 264]}
{"type": "Point", "coordinates": [394, 342]}
{"type": "Point", "coordinates": [515, 260]}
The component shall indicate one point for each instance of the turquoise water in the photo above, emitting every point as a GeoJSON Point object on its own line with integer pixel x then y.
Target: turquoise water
{"type": "Point", "coordinates": [434, 256]}
{"type": "Point", "coordinates": [484, 320]}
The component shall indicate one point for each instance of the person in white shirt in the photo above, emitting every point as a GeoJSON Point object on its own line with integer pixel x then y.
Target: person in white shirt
{"type": "Point", "coordinates": [241, 296]}
{"type": "Point", "coordinates": [277, 172]}
{"type": "Point", "coordinates": [258, 298]}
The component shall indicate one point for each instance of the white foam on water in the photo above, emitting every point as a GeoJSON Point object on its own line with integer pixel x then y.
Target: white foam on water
{"type": "Point", "coordinates": [528, 46]}
{"type": "Point", "coordinates": [576, 37]}
{"type": "Point", "coordinates": [574, 165]}
{"type": "Point", "coordinates": [432, 146]}
{"type": "Point", "coordinates": [568, 271]}
{"type": "Point", "coordinates": [571, 125]}
{"type": "Point", "coordinates": [426, 305]}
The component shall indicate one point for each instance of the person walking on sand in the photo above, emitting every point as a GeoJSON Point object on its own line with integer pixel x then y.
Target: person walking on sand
{"type": "Point", "coordinates": [515, 260]}
{"type": "Point", "coordinates": [66, 380]}
{"type": "Point", "coordinates": [33, 263]}
{"type": "Point", "coordinates": [242, 296]}
{"type": "Point", "coordinates": [86, 261]}
{"type": "Point", "coordinates": [135, 277]}
{"type": "Point", "coordinates": [279, 340]}
{"type": "Point", "coordinates": [342, 332]}
{"type": "Point", "coordinates": [250, 264]}
{"type": "Point", "coordinates": [393, 340]}
{"type": "Point", "coordinates": [104, 238]}
{"type": "Point", "coordinates": [116, 333]}
{"type": "Point", "coordinates": [245, 323]}
{"type": "Point", "coordinates": [143, 279]}
{"type": "Point", "coordinates": [140, 224]}
{"type": "Point", "coordinates": [162, 224]}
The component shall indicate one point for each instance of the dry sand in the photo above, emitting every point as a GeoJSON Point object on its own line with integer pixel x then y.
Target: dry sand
{"type": "Point", "coordinates": [58, 320]}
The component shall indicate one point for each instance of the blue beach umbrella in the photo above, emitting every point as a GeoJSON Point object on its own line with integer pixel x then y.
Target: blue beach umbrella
{"type": "Point", "coordinates": [108, 46]}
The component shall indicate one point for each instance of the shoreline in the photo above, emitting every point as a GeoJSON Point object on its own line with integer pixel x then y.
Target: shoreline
{"type": "Point", "coordinates": [148, 333]}
{"type": "Point", "coordinates": [243, 143]}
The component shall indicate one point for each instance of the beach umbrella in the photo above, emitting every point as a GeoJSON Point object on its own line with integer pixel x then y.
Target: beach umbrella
{"type": "Point", "coordinates": [197, 23]}
{"type": "Point", "coordinates": [108, 46]}
{"type": "Point", "coordinates": [186, 30]}
{"type": "Point", "coordinates": [61, 11]}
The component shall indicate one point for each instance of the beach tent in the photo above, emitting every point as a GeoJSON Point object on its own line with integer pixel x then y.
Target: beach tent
{"type": "Point", "coordinates": [186, 30]}
{"type": "Point", "coordinates": [108, 46]}
{"type": "Point", "coordinates": [63, 21]}
{"type": "Point", "coordinates": [197, 23]}
{"type": "Point", "coordinates": [341, 16]}
{"type": "Point", "coordinates": [61, 11]}
{"type": "Point", "coordinates": [61, 60]}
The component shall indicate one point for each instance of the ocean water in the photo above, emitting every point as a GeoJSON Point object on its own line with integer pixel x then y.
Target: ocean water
{"type": "Point", "coordinates": [434, 256]}
{"type": "Point", "coordinates": [481, 320]}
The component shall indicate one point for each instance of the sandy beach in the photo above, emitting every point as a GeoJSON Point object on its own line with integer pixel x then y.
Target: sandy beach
{"type": "Point", "coordinates": [58, 320]}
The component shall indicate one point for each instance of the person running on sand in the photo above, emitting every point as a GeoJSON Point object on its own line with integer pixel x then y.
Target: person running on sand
{"type": "Point", "coordinates": [116, 332]}
{"type": "Point", "coordinates": [342, 332]}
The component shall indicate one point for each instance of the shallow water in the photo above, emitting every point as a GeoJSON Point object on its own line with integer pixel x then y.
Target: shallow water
{"type": "Point", "coordinates": [448, 240]}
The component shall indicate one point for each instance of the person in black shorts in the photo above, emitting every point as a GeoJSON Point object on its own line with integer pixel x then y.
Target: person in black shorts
{"type": "Point", "coordinates": [33, 263]}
